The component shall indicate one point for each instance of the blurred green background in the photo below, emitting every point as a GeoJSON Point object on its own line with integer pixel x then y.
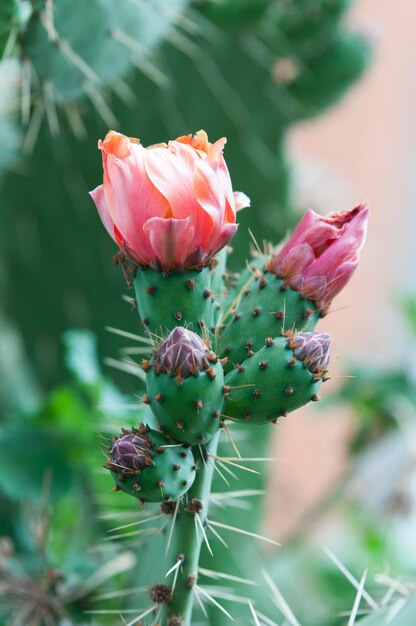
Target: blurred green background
{"type": "Point", "coordinates": [249, 70]}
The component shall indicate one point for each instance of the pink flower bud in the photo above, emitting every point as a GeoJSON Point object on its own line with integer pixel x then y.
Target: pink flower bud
{"type": "Point", "coordinates": [182, 353]}
{"type": "Point", "coordinates": [322, 253]}
{"type": "Point", "coordinates": [313, 349]}
{"type": "Point", "coordinates": [169, 206]}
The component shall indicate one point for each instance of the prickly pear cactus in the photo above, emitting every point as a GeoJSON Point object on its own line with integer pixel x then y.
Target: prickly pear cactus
{"type": "Point", "coordinates": [171, 210]}
{"type": "Point", "coordinates": [144, 465]}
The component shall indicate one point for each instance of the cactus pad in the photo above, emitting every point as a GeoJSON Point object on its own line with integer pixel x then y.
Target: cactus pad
{"type": "Point", "coordinates": [144, 465]}
{"type": "Point", "coordinates": [175, 299]}
{"type": "Point", "coordinates": [265, 309]}
{"type": "Point", "coordinates": [272, 382]}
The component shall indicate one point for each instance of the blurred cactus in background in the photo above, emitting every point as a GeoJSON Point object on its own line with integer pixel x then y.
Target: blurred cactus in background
{"type": "Point", "coordinates": [247, 70]}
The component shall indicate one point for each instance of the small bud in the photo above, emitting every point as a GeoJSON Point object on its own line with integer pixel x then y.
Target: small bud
{"type": "Point", "coordinates": [182, 353]}
{"type": "Point", "coordinates": [313, 349]}
{"type": "Point", "coordinates": [129, 454]}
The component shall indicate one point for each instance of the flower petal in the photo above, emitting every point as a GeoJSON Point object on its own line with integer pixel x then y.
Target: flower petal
{"type": "Point", "coordinates": [172, 240]}
{"type": "Point", "coordinates": [241, 200]}
{"type": "Point", "coordinates": [98, 196]}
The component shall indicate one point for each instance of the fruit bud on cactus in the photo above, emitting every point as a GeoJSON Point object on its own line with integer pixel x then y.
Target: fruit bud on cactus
{"type": "Point", "coordinates": [169, 206]}
{"type": "Point", "coordinates": [144, 465]}
{"type": "Point", "coordinates": [130, 453]}
{"type": "Point", "coordinates": [313, 349]}
{"type": "Point", "coordinates": [282, 376]}
{"type": "Point", "coordinates": [185, 387]}
{"type": "Point", "coordinates": [322, 253]}
{"type": "Point", "coordinates": [183, 353]}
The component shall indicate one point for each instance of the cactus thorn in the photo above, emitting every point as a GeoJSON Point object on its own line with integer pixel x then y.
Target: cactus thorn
{"type": "Point", "coordinates": [150, 291]}
{"type": "Point", "coordinates": [207, 294]}
{"type": "Point", "coordinates": [178, 316]}
{"type": "Point", "coordinates": [279, 314]}
{"type": "Point", "coordinates": [184, 455]}
{"type": "Point", "coordinates": [289, 390]}
{"type": "Point", "coordinates": [292, 362]}
{"type": "Point", "coordinates": [145, 322]}
{"type": "Point", "coordinates": [256, 311]}
{"type": "Point", "coordinates": [211, 374]}
{"type": "Point", "coordinates": [115, 488]}
{"type": "Point", "coordinates": [226, 389]}
{"type": "Point", "coordinates": [269, 342]}
{"type": "Point", "coordinates": [179, 424]}
{"type": "Point", "coordinates": [176, 468]}
{"type": "Point", "coordinates": [240, 368]}
{"type": "Point", "coordinates": [191, 580]}
{"type": "Point", "coordinates": [159, 397]}
{"type": "Point", "coordinates": [315, 398]}
{"type": "Point", "coordinates": [199, 404]}
{"type": "Point", "coordinates": [146, 365]}
{"type": "Point", "coordinates": [256, 393]}
{"type": "Point", "coordinates": [236, 316]}
{"type": "Point", "coordinates": [146, 399]}
{"type": "Point", "coordinates": [248, 416]}
{"type": "Point", "coordinates": [190, 284]}
{"type": "Point", "coordinates": [263, 365]}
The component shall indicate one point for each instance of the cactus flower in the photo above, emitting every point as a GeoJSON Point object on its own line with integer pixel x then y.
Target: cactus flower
{"type": "Point", "coordinates": [183, 353]}
{"type": "Point", "coordinates": [169, 206]}
{"type": "Point", "coordinates": [322, 253]}
{"type": "Point", "coordinates": [313, 349]}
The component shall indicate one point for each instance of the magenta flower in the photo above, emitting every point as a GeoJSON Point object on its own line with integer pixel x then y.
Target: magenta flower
{"type": "Point", "coordinates": [322, 253]}
{"type": "Point", "coordinates": [169, 206]}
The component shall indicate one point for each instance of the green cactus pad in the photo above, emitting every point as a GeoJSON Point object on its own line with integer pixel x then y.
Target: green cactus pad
{"type": "Point", "coordinates": [175, 299]}
{"type": "Point", "coordinates": [189, 410]}
{"type": "Point", "coordinates": [170, 475]}
{"type": "Point", "coordinates": [271, 383]}
{"type": "Point", "coordinates": [76, 57]}
{"type": "Point", "coordinates": [266, 308]}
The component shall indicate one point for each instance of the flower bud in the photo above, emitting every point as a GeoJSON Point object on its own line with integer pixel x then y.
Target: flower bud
{"type": "Point", "coordinates": [182, 353]}
{"type": "Point", "coordinates": [129, 454]}
{"type": "Point", "coordinates": [313, 349]}
{"type": "Point", "coordinates": [322, 253]}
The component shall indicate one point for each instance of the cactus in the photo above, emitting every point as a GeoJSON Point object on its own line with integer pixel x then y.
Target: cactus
{"type": "Point", "coordinates": [186, 374]}
{"type": "Point", "coordinates": [143, 465]}
{"type": "Point", "coordinates": [282, 376]}
{"type": "Point", "coordinates": [187, 394]}
{"type": "Point", "coordinates": [167, 300]}
{"type": "Point", "coordinates": [263, 308]}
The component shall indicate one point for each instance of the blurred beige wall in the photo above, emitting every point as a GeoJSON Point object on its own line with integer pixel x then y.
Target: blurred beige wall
{"type": "Point", "coordinates": [362, 149]}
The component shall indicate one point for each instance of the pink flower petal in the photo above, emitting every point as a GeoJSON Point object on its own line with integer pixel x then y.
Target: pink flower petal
{"type": "Point", "coordinates": [241, 200]}
{"type": "Point", "coordinates": [97, 195]}
{"type": "Point", "coordinates": [171, 171]}
{"type": "Point", "coordinates": [172, 240]}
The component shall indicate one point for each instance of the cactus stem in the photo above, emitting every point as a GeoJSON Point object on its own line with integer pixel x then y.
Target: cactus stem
{"type": "Point", "coordinates": [186, 541]}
